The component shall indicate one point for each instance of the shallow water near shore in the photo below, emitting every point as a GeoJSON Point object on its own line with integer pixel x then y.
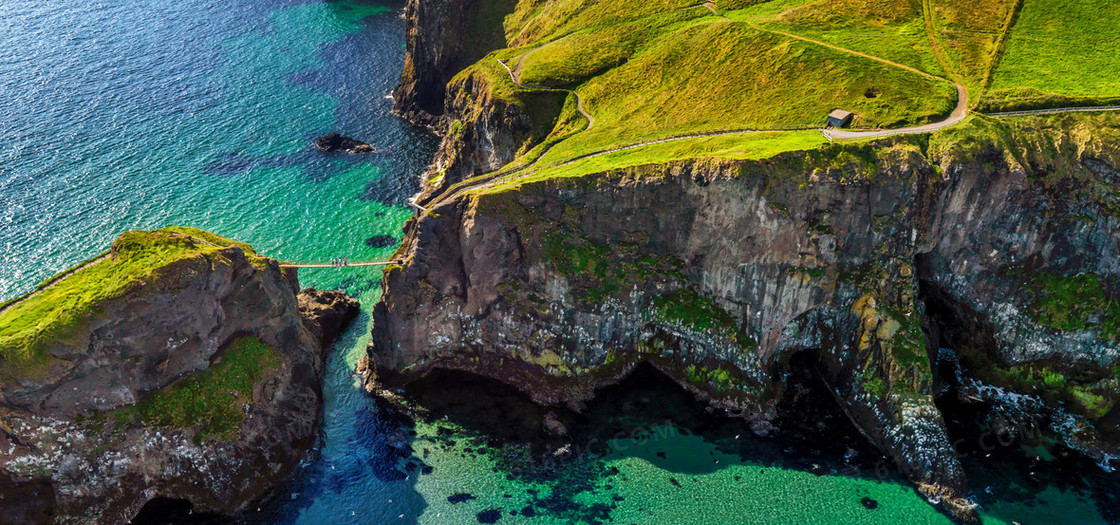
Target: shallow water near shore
{"type": "Point", "coordinates": [135, 115]}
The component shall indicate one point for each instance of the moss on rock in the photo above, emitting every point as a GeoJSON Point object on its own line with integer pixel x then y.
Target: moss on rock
{"type": "Point", "coordinates": [211, 400]}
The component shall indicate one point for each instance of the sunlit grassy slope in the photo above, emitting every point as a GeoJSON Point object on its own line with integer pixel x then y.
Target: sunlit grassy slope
{"type": "Point", "coordinates": [1060, 52]}
{"type": "Point", "coordinates": [61, 306]}
{"type": "Point", "coordinates": [649, 70]}
{"type": "Point", "coordinates": [955, 39]}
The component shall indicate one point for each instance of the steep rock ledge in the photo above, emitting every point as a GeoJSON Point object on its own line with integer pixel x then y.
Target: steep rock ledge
{"type": "Point", "coordinates": [717, 272]}
{"type": "Point", "coordinates": [199, 381]}
{"type": "Point", "coordinates": [482, 126]}
{"type": "Point", "coordinates": [442, 37]}
{"type": "Point", "coordinates": [481, 133]}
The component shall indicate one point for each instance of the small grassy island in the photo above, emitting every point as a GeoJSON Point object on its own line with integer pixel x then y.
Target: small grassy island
{"type": "Point", "coordinates": [60, 307]}
{"type": "Point", "coordinates": [177, 351]}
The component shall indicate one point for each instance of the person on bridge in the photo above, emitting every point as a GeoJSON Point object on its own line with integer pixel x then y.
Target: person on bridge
{"type": "Point", "coordinates": [344, 263]}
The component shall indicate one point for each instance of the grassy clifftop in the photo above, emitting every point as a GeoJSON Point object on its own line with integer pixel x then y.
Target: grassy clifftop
{"type": "Point", "coordinates": [59, 307]}
{"type": "Point", "coordinates": [642, 72]}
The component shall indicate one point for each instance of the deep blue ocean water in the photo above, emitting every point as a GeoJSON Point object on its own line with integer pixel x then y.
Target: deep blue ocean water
{"type": "Point", "coordinates": [119, 115]}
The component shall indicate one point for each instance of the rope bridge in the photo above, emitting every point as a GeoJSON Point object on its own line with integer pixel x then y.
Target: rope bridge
{"type": "Point", "coordinates": [332, 265]}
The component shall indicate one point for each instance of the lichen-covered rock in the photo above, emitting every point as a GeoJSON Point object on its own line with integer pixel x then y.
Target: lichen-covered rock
{"type": "Point", "coordinates": [200, 381]}
{"type": "Point", "coordinates": [717, 272]}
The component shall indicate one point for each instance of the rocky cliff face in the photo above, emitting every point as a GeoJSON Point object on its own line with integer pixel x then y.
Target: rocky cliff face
{"type": "Point", "coordinates": [435, 33]}
{"type": "Point", "coordinates": [480, 132]}
{"type": "Point", "coordinates": [199, 383]}
{"type": "Point", "coordinates": [881, 261]}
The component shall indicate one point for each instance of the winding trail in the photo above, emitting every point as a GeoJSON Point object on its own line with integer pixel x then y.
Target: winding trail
{"type": "Point", "coordinates": [960, 113]}
{"type": "Point", "coordinates": [515, 77]}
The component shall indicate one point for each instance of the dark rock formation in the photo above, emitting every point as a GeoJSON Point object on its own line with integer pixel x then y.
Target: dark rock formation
{"type": "Point", "coordinates": [718, 272]}
{"type": "Point", "coordinates": [333, 142]}
{"type": "Point", "coordinates": [480, 133]}
{"type": "Point", "coordinates": [326, 313]}
{"type": "Point", "coordinates": [442, 37]}
{"type": "Point", "coordinates": [77, 444]}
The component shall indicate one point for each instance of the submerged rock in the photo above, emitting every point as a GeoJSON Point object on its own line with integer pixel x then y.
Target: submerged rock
{"type": "Point", "coordinates": [459, 497]}
{"type": "Point", "coordinates": [382, 241]}
{"type": "Point", "coordinates": [489, 516]}
{"type": "Point", "coordinates": [194, 377]}
{"type": "Point", "coordinates": [334, 142]}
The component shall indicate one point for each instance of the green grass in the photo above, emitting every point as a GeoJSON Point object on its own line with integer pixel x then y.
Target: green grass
{"type": "Point", "coordinates": [1070, 303]}
{"type": "Point", "coordinates": [751, 146]}
{"type": "Point", "coordinates": [892, 29]}
{"type": "Point", "coordinates": [1059, 52]}
{"type": "Point", "coordinates": [572, 59]}
{"type": "Point", "coordinates": [211, 400]}
{"type": "Point", "coordinates": [955, 39]}
{"type": "Point", "coordinates": [653, 70]}
{"type": "Point", "coordinates": [713, 74]}
{"type": "Point", "coordinates": [969, 34]}
{"type": "Point", "coordinates": [58, 311]}
{"type": "Point", "coordinates": [536, 22]}
{"type": "Point", "coordinates": [694, 311]}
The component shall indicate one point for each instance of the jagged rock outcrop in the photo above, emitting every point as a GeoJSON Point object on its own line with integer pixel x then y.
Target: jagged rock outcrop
{"type": "Point", "coordinates": [200, 382]}
{"type": "Point", "coordinates": [442, 37]}
{"type": "Point", "coordinates": [334, 142]}
{"type": "Point", "coordinates": [480, 132]}
{"type": "Point", "coordinates": [717, 272]}
{"type": "Point", "coordinates": [325, 313]}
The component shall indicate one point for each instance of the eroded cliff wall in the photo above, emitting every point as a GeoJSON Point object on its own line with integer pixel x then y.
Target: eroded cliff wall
{"type": "Point", "coordinates": [717, 272]}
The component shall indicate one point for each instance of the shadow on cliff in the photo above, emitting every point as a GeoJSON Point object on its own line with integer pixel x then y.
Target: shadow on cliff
{"type": "Point", "coordinates": [1006, 460]}
{"type": "Point", "coordinates": [646, 416]}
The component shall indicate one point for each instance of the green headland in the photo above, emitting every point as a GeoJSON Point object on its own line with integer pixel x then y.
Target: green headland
{"type": "Point", "coordinates": [616, 84]}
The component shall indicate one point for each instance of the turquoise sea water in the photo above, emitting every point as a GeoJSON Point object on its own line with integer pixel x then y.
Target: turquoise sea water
{"type": "Point", "coordinates": [119, 115]}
